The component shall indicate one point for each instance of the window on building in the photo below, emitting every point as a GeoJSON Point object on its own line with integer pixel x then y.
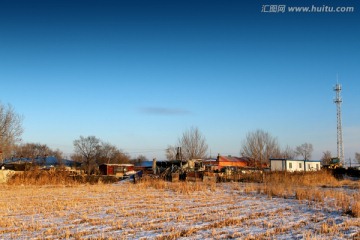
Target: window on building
{"type": "Point", "coordinates": [300, 165]}
{"type": "Point", "coordinates": [317, 166]}
{"type": "Point", "coordinates": [309, 166]}
{"type": "Point", "coordinates": [290, 165]}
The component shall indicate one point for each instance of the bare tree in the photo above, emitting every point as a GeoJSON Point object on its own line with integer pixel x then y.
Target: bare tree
{"type": "Point", "coordinates": [357, 157]}
{"type": "Point", "coordinates": [88, 148]}
{"type": "Point", "coordinates": [139, 159]}
{"type": "Point", "coordinates": [288, 153]}
{"type": "Point", "coordinates": [10, 129]}
{"type": "Point", "coordinates": [91, 151]}
{"type": "Point", "coordinates": [326, 158]}
{"type": "Point", "coordinates": [170, 152]}
{"type": "Point", "coordinates": [261, 146]}
{"type": "Point", "coordinates": [305, 150]}
{"type": "Point", "coordinates": [36, 152]}
{"type": "Point", "coordinates": [192, 143]}
{"type": "Point", "coordinates": [109, 153]}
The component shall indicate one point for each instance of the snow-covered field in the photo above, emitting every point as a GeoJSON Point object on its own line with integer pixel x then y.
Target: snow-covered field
{"type": "Point", "coordinates": [166, 211]}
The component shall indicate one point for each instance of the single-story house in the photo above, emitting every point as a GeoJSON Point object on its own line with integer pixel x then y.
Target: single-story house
{"type": "Point", "coordinates": [116, 169]}
{"type": "Point", "coordinates": [292, 165]}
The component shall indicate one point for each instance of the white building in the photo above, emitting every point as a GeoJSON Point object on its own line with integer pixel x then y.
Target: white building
{"type": "Point", "coordinates": [292, 165]}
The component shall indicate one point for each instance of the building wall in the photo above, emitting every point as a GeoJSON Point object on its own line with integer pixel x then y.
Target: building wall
{"type": "Point", "coordinates": [312, 166]}
{"type": "Point", "coordinates": [278, 165]}
{"type": "Point", "coordinates": [293, 165]}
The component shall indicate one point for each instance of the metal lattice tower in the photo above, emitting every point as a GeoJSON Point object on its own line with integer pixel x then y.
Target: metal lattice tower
{"type": "Point", "coordinates": [340, 146]}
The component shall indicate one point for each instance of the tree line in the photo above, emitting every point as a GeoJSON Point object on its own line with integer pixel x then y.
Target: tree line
{"type": "Point", "coordinates": [259, 145]}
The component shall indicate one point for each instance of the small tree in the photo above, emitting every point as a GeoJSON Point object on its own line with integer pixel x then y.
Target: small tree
{"type": "Point", "coordinates": [139, 159]}
{"type": "Point", "coordinates": [288, 153]}
{"type": "Point", "coordinates": [357, 157]}
{"type": "Point", "coordinates": [305, 150]}
{"type": "Point", "coordinates": [88, 148]}
{"type": "Point", "coordinates": [326, 158]}
{"type": "Point", "coordinates": [170, 152]}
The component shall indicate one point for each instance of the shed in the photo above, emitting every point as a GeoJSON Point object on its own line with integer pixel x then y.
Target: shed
{"type": "Point", "coordinates": [292, 165]}
{"type": "Point", "coordinates": [115, 169]}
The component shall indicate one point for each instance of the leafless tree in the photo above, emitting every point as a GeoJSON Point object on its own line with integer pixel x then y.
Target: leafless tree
{"type": "Point", "coordinates": [170, 152]}
{"type": "Point", "coordinates": [10, 129]}
{"type": "Point", "coordinates": [326, 158]}
{"type": "Point", "coordinates": [36, 152]}
{"type": "Point", "coordinates": [139, 159]}
{"type": "Point", "coordinates": [109, 153]}
{"type": "Point", "coordinates": [92, 151]}
{"type": "Point", "coordinates": [288, 153]}
{"type": "Point", "coordinates": [357, 157]}
{"type": "Point", "coordinates": [305, 150]}
{"type": "Point", "coordinates": [261, 146]}
{"type": "Point", "coordinates": [192, 143]}
{"type": "Point", "coordinates": [88, 148]}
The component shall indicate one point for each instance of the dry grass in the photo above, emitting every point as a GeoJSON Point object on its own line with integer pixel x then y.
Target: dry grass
{"type": "Point", "coordinates": [57, 177]}
{"type": "Point", "coordinates": [319, 187]}
{"type": "Point", "coordinates": [42, 177]}
{"type": "Point", "coordinates": [154, 209]}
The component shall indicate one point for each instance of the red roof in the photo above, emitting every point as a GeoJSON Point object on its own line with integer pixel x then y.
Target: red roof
{"type": "Point", "coordinates": [233, 161]}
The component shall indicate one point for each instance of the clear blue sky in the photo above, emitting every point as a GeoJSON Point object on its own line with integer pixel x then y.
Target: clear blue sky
{"type": "Point", "coordinates": [139, 73]}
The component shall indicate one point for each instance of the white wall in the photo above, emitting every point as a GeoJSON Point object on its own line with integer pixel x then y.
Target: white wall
{"type": "Point", "coordinates": [313, 166]}
{"type": "Point", "coordinates": [293, 165]}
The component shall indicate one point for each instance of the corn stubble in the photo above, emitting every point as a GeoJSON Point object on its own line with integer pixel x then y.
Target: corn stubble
{"type": "Point", "coordinates": [307, 206]}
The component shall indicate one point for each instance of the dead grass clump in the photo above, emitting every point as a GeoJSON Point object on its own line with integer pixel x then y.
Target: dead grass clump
{"type": "Point", "coordinates": [329, 226]}
{"type": "Point", "coordinates": [301, 194]}
{"type": "Point", "coordinates": [355, 209]}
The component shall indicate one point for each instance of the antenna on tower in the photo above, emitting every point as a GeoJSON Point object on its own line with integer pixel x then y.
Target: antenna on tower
{"type": "Point", "coordinates": [338, 101]}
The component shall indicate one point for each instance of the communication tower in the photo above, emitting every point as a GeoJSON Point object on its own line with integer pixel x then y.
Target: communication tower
{"type": "Point", "coordinates": [338, 101]}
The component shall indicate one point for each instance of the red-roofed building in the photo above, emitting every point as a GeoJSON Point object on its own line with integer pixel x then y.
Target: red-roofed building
{"type": "Point", "coordinates": [228, 161]}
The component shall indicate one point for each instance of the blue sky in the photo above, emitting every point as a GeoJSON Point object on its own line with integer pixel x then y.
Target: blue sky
{"type": "Point", "coordinates": [139, 73]}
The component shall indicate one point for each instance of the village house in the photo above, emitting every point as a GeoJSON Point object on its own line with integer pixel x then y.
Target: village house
{"type": "Point", "coordinates": [292, 165]}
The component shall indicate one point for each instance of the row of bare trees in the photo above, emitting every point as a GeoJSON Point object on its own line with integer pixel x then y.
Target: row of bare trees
{"type": "Point", "coordinates": [34, 151]}
{"type": "Point", "coordinates": [259, 145]}
{"type": "Point", "coordinates": [92, 151]}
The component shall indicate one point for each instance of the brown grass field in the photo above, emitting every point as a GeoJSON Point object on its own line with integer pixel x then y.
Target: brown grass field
{"type": "Point", "coordinates": [284, 206]}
